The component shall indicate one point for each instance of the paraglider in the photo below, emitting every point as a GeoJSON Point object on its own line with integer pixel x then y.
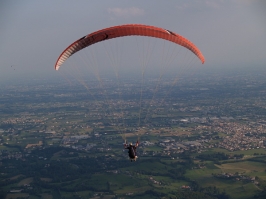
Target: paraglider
{"type": "Point", "coordinates": [124, 31]}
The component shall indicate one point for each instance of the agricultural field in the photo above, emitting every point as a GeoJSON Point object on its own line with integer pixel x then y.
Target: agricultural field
{"type": "Point", "coordinates": [235, 187]}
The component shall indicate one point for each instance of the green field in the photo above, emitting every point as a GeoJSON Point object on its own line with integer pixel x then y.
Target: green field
{"type": "Point", "coordinates": [236, 189]}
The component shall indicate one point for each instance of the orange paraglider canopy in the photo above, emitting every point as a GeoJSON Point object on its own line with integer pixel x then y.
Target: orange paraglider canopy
{"type": "Point", "coordinates": [126, 30]}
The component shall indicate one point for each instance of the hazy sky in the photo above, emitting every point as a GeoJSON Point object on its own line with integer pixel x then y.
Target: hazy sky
{"type": "Point", "coordinates": [230, 33]}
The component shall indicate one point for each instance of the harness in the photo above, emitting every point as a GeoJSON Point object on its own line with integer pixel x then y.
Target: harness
{"type": "Point", "coordinates": [132, 152]}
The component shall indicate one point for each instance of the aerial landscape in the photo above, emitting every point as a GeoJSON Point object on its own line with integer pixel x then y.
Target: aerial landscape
{"type": "Point", "coordinates": [86, 83]}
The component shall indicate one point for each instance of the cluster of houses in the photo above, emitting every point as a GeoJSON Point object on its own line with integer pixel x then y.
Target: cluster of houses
{"type": "Point", "coordinates": [170, 144]}
{"type": "Point", "coordinates": [237, 177]}
{"type": "Point", "coordinates": [237, 136]}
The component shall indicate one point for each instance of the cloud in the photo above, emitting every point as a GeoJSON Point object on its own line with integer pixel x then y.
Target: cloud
{"type": "Point", "coordinates": [213, 4]}
{"type": "Point", "coordinates": [199, 4]}
{"type": "Point", "coordinates": [126, 12]}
